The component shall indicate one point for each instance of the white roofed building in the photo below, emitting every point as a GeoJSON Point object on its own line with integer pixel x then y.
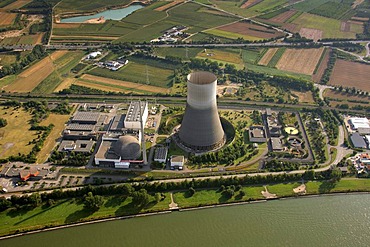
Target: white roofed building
{"type": "Point", "coordinates": [357, 122]}
{"type": "Point", "coordinates": [132, 119]}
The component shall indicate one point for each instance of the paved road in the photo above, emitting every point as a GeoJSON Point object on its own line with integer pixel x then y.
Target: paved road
{"type": "Point", "coordinates": [322, 89]}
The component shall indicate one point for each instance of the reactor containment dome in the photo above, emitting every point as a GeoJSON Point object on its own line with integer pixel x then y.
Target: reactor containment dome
{"type": "Point", "coordinates": [201, 129]}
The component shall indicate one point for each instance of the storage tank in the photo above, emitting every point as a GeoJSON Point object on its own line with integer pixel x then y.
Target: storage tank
{"type": "Point", "coordinates": [201, 128]}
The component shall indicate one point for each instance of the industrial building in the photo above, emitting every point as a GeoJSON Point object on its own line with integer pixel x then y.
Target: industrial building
{"type": "Point", "coordinates": [357, 122]}
{"type": "Point", "coordinates": [177, 161]}
{"type": "Point", "coordinates": [132, 119]}
{"type": "Point", "coordinates": [276, 144]}
{"type": "Point", "coordinates": [257, 134]}
{"type": "Point", "coordinates": [161, 154]}
{"type": "Point", "coordinates": [118, 152]}
{"type": "Point", "coordinates": [86, 117]}
{"type": "Point", "coordinates": [201, 128]}
{"type": "Point", "coordinates": [358, 141]}
{"type": "Point", "coordinates": [82, 146]}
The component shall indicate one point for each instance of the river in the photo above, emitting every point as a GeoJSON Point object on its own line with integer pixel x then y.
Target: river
{"type": "Point", "coordinates": [320, 221]}
{"type": "Point", "coordinates": [112, 14]}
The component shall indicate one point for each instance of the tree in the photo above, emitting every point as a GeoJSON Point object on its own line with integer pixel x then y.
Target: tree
{"type": "Point", "coordinates": [140, 197]}
{"type": "Point", "coordinates": [93, 202]}
{"type": "Point", "coordinates": [158, 197]}
{"type": "Point", "coordinates": [191, 191]}
{"type": "Point", "coordinates": [3, 122]}
{"type": "Point", "coordinates": [4, 204]}
{"type": "Point", "coordinates": [35, 200]}
{"type": "Point", "coordinates": [336, 174]}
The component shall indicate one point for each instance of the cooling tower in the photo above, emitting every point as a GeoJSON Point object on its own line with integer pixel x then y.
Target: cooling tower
{"type": "Point", "coordinates": [201, 128]}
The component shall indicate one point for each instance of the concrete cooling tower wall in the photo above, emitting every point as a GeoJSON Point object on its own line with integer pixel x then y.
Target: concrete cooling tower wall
{"type": "Point", "coordinates": [201, 128]}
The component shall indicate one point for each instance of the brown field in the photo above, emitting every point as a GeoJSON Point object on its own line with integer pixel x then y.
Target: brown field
{"type": "Point", "coordinates": [304, 97]}
{"type": "Point", "coordinates": [59, 125]}
{"type": "Point", "coordinates": [283, 16]}
{"type": "Point", "coordinates": [126, 84]}
{"type": "Point", "coordinates": [65, 84]}
{"type": "Point", "coordinates": [81, 38]}
{"type": "Point", "coordinates": [345, 26]}
{"type": "Point", "coordinates": [31, 77]}
{"type": "Point", "coordinates": [322, 67]}
{"type": "Point", "coordinates": [100, 87]}
{"type": "Point", "coordinates": [311, 33]}
{"type": "Point", "coordinates": [17, 4]}
{"type": "Point", "coordinates": [57, 54]}
{"type": "Point", "coordinates": [301, 61]}
{"type": "Point", "coordinates": [267, 57]}
{"type": "Point", "coordinates": [67, 25]}
{"type": "Point", "coordinates": [362, 19]}
{"type": "Point", "coordinates": [356, 3]}
{"type": "Point", "coordinates": [250, 30]}
{"type": "Point", "coordinates": [342, 96]}
{"type": "Point", "coordinates": [168, 5]}
{"type": "Point", "coordinates": [351, 74]}
{"type": "Point", "coordinates": [7, 19]}
{"type": "Point", "coordinates": [221, 55]}
{"type": "Point", "coordinates": [294, 28]}
{"type": "Point", "coordinates": [250, 3]}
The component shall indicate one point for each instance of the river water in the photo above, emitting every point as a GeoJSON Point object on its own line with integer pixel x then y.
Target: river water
{"type": "Point", "coordinates": [113, 14]}
{"type": "Point", "coordinates": [321, 221]}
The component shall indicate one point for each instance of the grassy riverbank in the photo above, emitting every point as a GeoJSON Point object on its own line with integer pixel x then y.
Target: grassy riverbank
{"type": "Point", "coordinates": [69, 211]}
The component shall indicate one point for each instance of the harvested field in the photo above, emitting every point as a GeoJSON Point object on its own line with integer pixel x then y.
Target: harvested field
{"type": "Point", "coordinates": [7, 19]}
{"type": "Point", "coordinates": [294, 28]}
{"type": "Point", "coordinates": [250, 3]}
{"type": "Point", "coordinates": [301, 61]}
{"type": "Point", "coordinates": [362, 19]}
{"type": "Point", "coordinates": [99, 87]}
{"type": "Point", "coordinates": [168, 5]}
{"type": "Point", "coordinates": [225, 56]}
{"type": "Point", "coordinates": [281, 18]}
{"type": "Point", "coordinates": [321, 67]}
{"type": "Point", "coordinates": [125, 84]}
{"type": "Point", "coordinates": [31, 77]}
{"type": "Point", "coordinates": [65, 84]}
{"type": "Point", "coordinates": [57, 54]}
{"type": "Point", "coordinates": [49, 144]}
{"type": "Point", "coordinates": [267, 57]}
{"type": "Point", "coordinates": [351, 74]}
{"type": "Point", "coordinates": [304, 97]}
{"type": "Point", "coordinates": [250, 30]}
{"type": "Point", "coordinates": [17, 4]}
{"type": "Point", "coordinates": [310, 33]}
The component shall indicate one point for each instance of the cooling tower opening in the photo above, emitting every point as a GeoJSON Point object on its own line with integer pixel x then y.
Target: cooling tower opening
{"type": "Point", "coordinates": [201, 78]}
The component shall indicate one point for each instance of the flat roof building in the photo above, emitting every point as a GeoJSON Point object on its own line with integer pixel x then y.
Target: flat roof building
{"type": "Point", "coordinates": [358, 141]}
{"type": "Point", "coordinates": [257, 134]}
{"type": "Point", "coordinates": [132, 118]}
{"type": "Point", "coordinates": [161, 154]}
{"type": "Point", "coordinates": [118, 123]}
{"type": "Point", "coordinates": [86, 117]}
{"type": "Point", "coordinates": [177, 161]}
{"type": "Point", "coordinates": [276, 144]}
{"type": "Point", "coordinates": [357, 122]}
{"type": "Point", "coordinates": [363, 131]}
{"type": "Point", "coordinates": [82, 146]}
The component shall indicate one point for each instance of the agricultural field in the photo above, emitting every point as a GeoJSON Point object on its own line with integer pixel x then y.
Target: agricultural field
{"type": "Point", "coordinates": [321, 66]}
{"type": "Point", "coordinates": [303, 61]}
{"type": "Point", "coordinates": [112, 85]}
{"type": "Point", "coordinates": [247, 31]}
{"type": "Point", "coordinates": [17, 129]}
{"type": "Point", "coordinates": [317, 27]}
{"type": "Point", "coordinates": [16, 4]}
{"type": "Point", "coordinates": [32, 39]}
{"type": "Point", "coordinates": [6, 59]}
{"type": "Point", "coordinates": [168, 5]}
{"type": "Point", "coordinates": [138, 73]}
{"type": "Point", "coordinates": [7, 19]}
{"type": "Point", "coordinates": [350, 74]}
{"type": "Point", "coordinates": [49, 144]}
{"type": "Point", "coordinates": [303, 97]}
{"type": "Point", "coordinates": [180, 52]}
{"type": "Point", "coordinates": [75, 6]}
{"type": "Point", "coordinates": [233, 57]}
{"type": "Point", "coordinates": [64, 62]}
{"type": "Point", "coordinates": [34, 76]}
{"type": "Point", "coordinates": [267, 56]}
{"type": "Point", "coordinates": [345, 97]}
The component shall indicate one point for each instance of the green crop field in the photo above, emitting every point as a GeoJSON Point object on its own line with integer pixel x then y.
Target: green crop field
{"type": "Point", "coordinates": [231, 35]}
{"type": "Point", "coordinates": [83, 6]}
{"type": "Point", "coordinates": [177, 52]}
{"type": "Point", "coordinates": [275, 59]}
{"type": "Point", "coordinates": [334, 10]}
{"type": "Point", "coordinates": [309, 5]}
{"type": "Point", "coordinates": [137, 72]}
{"type": "Point", "coordinates": [330, 27]}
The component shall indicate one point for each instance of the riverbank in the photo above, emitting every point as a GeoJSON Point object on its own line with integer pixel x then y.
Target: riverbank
{"type": "Point", "coordinates": [70, 212]}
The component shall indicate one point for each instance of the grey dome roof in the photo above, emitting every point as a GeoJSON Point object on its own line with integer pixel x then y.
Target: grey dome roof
{"type": "Point", "coordinates": [127, 147]}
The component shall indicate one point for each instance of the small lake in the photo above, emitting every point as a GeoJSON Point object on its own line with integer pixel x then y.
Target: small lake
{"type": "Point", "coordinates": [112, 14]}
{"type": "Point", "coordinates": [321, 221]}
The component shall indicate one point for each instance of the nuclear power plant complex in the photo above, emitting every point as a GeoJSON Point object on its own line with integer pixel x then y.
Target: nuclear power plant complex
{"type": "Point", "coordinates": [201, 129]}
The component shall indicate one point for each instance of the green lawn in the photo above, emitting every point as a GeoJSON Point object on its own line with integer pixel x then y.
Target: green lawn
{"type": "Point", "coordinates": [70, 211]}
